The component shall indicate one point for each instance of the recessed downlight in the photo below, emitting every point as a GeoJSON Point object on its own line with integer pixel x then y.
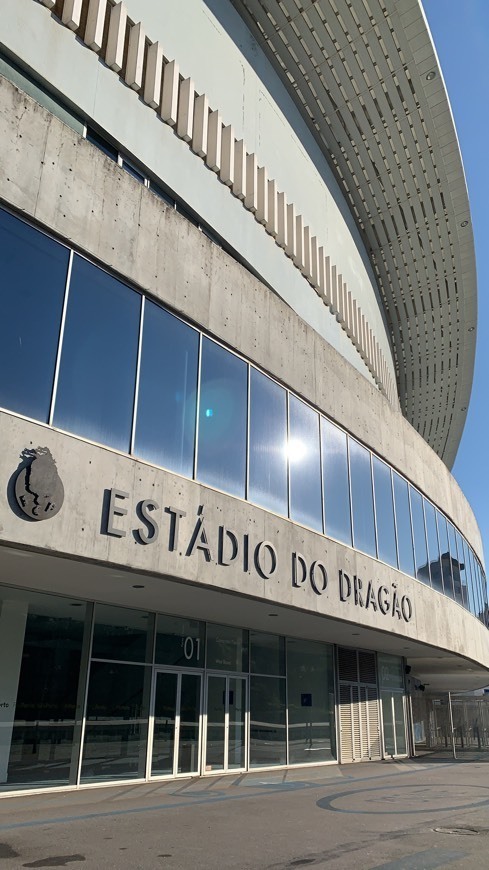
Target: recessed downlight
{"type": "Point", "coordinates": [431, 75]}
{"type": "Point", "coordinates": [137, 586]}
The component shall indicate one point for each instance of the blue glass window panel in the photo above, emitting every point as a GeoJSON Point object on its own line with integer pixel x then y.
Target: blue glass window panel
{"type": "Point", "coordinates": [464, 572]}
{"type": "Point", "coordinates": [473, 574]}
{"type": "Point", "coordinates": [267, 475]}
{"type": "Point", "coordinates": [476, 573]}
{"type": "Point", "coordinates": [470, 579]}
{"type": "Point", "coordinates": [459, 590]}
{"type": "Point", "coordinates": [97, 375]}
{"type": "Point", "coordinates": [304, 465]}
{"type": "Point", "coordinates": [362, 498]}
{"type": "Point", "coordinates": [433, 546]}
{"type": "Point", "coordinates": [483, 590]}
{"type": "Point", "coordinates": [34, 270]}
{"type": "Point", "coordinates": [336, 487]}
{"type": "Point", "coordinates": [384, 512]}
{"type": "Point", "coordinates": [420, 550]}
{"type": "Point", "coordinates": [221, 460]}
{"type": "Point", "coordinates": [403, 525]}
{"type": "Point", "coordinates": [486, 604]}
{"type": "Point", "coordinates": [445, 555]}
{"type": "Point", "coordinates": [475, 582]}
{"type": "Point", "coordinates": [167, 395]}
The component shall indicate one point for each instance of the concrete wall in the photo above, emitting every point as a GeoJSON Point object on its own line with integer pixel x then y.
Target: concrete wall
{"type": "Point", "coordinates": [214, 47]}
{"type": "Point", "coordinates": [80, 529]}
{"type": "Point", "coordinates": [50, 174]}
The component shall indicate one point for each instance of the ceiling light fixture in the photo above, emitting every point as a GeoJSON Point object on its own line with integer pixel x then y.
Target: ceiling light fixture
{"type": "Point", "coordinates": [431, 75]}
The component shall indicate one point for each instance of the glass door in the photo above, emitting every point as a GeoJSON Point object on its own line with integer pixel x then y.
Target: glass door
{"type": "Point", "coordinates": [176, 723]}
{"type": "Point", "coordinates": [225, 744]}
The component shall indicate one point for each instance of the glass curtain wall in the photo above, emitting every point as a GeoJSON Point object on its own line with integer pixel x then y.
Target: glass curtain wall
{"type": "Point", "coordinates": [96, 383]}
{"type": "Point", "coordinates": [336, 483]}
{"type": "Point", "coordinates": [311, 702]}
{"type": "Point", "coordinates": [268, 737]}
{"type": "Point", "coordinates": [267, 472]}
{"type": "Point", "coordinates": [203, 412]}
{"type": "Point", "coordinates": [105, 693]}
{"type": "Point", "coordinates": [167, 393]}
{"type": "Point", "coordinates": [362, 498]}
{"type": "Point", "coordinates": [119, 686]}
{"type": "Point", "coordinates": [304, 465]}
{"type": "Point", "coordinates": [384, 512]}
{"type": "Point", "coordinates": [41, 650]}
{"type": "Point", "coordinates": [405, 551]}
{"type": "Point", "coordinates": [34, 275]}
{"type": "Point", "coordinates": [391, 682]}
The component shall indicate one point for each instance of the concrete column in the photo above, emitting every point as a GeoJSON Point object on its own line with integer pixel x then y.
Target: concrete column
{"type": "Point", "coordinates": [13, 616]}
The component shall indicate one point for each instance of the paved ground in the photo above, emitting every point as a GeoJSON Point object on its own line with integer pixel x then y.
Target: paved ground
{"type": "Point", "coordinates": [418, 814]}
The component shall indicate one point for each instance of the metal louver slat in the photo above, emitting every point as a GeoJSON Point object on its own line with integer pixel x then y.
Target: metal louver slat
{"type": "Point", "coordinates": [373, 715]}
{"type": "Point", "coordinates": [346, 725]}
{"type": "Point", "coordinates": [364, 729]}
{"type": "Point", "coordinates": [356, 724]}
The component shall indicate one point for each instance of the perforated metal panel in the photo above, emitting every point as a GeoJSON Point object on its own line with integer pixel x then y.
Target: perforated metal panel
{"type": "Point", "coordinates": [365, 77]}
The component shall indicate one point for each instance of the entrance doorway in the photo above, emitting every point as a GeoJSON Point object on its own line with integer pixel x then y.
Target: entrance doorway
{"type": "Point", "coordinates": [226, 731]}
{"type": "Point", "coordinates": [175, 747]}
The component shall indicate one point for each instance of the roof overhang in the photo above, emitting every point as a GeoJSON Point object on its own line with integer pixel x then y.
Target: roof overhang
{"type": "Point", "coordinates": [366, 78]}
{"type": "Point", "coordinates": [77, 580]}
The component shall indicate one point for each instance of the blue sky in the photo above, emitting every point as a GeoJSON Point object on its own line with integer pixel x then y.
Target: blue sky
{"type": "Point", "coordinates": [460, 30]}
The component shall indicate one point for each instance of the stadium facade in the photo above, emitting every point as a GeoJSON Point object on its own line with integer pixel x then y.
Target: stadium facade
{"type": "Point", "coordinates": [237, 344]}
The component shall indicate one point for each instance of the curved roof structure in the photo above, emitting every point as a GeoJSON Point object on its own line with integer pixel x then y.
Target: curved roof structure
{"type": "Point", "coordinates": [365, 76]}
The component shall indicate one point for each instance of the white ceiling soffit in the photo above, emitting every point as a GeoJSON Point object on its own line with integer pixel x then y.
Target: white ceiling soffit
{"type": "Point", "coordinates": [366, 77]}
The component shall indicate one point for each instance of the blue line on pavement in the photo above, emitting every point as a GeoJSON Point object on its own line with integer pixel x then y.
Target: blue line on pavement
{"type": "Point", "coordinates": [147, 809]}
{"type": "Point", "coordinates": [280, 787]}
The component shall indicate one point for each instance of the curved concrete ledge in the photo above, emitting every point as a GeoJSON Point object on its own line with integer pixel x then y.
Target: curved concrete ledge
{"type": "Point", "coordinates": [250, 560]}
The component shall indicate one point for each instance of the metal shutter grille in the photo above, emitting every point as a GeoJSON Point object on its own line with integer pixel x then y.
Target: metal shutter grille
{"type": "Point", "coordinates": [372, 705]}
{"type": "Point", "coordinates": [346, 725]}
{"type": "Point", "coordinates": [347, 665]}
{"type": "Point", "coordinates": [364, 725]}
{"type": "Point", "coordinates": [360, 738]}
{"type": "Point", "coordinates": [358, 741]}
{"type": "Point", "coordinates": [367, 668]}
